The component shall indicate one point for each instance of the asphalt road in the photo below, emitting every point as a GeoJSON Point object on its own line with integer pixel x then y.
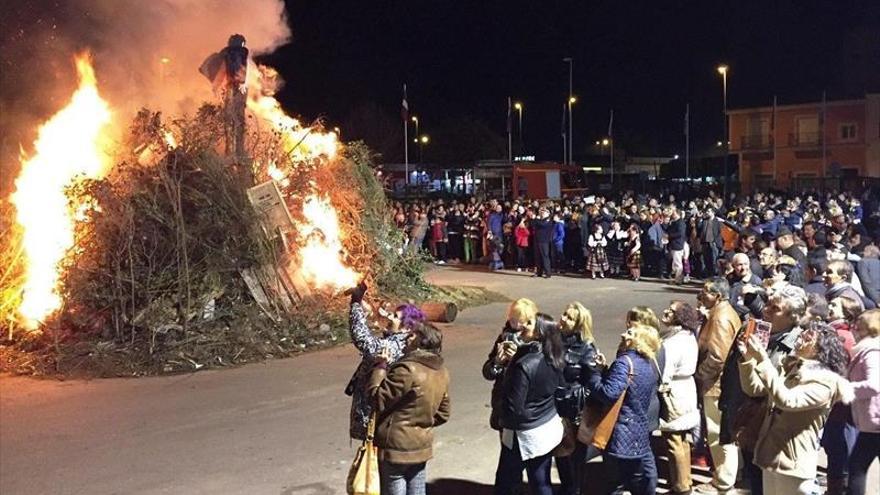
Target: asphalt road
{"type": "Point", "coordinates": [273, 428]}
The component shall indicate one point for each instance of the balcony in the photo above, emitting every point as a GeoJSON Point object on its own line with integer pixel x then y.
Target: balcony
{"type": "Point", "coordinates": [805, 139]}
{"type": "Point", "coordinates": [756, 142]}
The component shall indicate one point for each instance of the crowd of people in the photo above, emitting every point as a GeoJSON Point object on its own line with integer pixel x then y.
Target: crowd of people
{"type": "Point", "coordinates": [666, 237]}
{"type": "Point", "coordinates": [777, 358]}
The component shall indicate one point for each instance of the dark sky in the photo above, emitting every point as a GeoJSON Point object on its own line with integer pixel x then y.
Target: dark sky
{"type": "Point", "coordinates": [645, 59]}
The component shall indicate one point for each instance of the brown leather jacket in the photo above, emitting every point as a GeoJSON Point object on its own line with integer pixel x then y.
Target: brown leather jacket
{"type": "Point", "coordinates": [411, 398]}
{"type": "Point", "coordinates": [716, 338]}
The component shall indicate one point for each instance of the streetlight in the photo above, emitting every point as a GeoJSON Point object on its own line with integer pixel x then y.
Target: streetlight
{"type": "Point", "coordinates": [415, 119]}
{"type": "Point", "coordinates": [571, 100]}
{"type": "Point", "coordinates": [722, 69]}
{"type": "Point", "coordinates": [605, 142]}
{"type": "Point", "coordinates": [519, 108]}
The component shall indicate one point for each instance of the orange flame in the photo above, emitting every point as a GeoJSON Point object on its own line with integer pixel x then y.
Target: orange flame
{"type": "Point", "coordinates": [322, 256]}
{"type": "Point", "coordinates": [69, 146]}
{"type": "Point", "coordinates": [321, 261]}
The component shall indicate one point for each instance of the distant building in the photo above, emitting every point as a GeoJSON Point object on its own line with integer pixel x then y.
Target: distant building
{"type": "Point", "coordinates": [805, 144]}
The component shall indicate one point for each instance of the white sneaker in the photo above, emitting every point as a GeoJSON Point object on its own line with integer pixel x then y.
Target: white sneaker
{"type": "Point", "coordinates": [519, 270]}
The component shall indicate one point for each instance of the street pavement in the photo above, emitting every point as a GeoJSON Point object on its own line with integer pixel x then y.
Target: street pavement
{"type": "Point", "coordinates": [279, 427]}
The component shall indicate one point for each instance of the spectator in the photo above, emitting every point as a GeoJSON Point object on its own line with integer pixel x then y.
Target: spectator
{"type": "Point", "coordinates": [837, 276]}
{"type": "Point", "coordinates": [405, 428]}
{"type": "Point", "coordinates": [521, 233]}
{"type": "Point", "coordinates": [800, 394]}
{"type": "Point", "coordinates": [532, 427]}
{"type": "Point", "coordinates": [869, 272]}
{"type": "Point", "coordinates": [743, 287]}
{"type": "Point", "coordinates": [864, 374]}
{"type": "Point", "coordinates": [676, 233]}
{"type": "Point", "coordinates": [629, 450]}
{"type": "Point", "coordinates": [679, 347]}
{"type": "Point", "coordinates": [543, 236]}
{"type": "Point", "coordinates": [597, 262]}
{"type": "Point", "coordinates": [715, 340]}
{"type": "Point", "coordinates": [633, 248]}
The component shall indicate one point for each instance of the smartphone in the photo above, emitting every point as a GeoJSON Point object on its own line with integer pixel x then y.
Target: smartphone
{"type": "Point", "coordinates": [760, 329]}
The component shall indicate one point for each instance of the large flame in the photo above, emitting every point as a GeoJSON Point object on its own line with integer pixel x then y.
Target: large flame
{"type": "Point", "coordinates": [322, 254]}
{"type": "Point", "coordinates": [68, 146]}
{"type": "Point", "coordinates": [321, 262]}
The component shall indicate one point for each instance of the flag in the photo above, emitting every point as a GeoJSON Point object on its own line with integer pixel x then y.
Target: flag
{"type": "Point", "coordinates": [611, 123]}
{"type": "Point", "coordinates": [687, 119]}
{"type": "Point", "coordinates": [509, 116]}
{"type": "Point", "coordinates": [404, 106]}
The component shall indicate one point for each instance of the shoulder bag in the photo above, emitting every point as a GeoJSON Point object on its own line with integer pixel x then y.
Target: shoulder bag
{"type": "Point", "coordinates": [363, 477]}
{"type": "Point", "coordinates": [598, 420]}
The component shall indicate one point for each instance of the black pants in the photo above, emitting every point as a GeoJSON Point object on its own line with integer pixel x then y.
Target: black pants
{"type": "Point", "coordinates": [558, 257]}
{"type": "Point", "coordinates": [866, 450]}
{"type": "Point", "coordinates": [710, 260]}
{"type": "Point", "coordinates": [456, 247]}
{"type": "Point", "coordinates": [542, 258]}
{"type": "Point", "coordinates": [521, 257]}
{"type": "Point", "coordinates": [753, 474]}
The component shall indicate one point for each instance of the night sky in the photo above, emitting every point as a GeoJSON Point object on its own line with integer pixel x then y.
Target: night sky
{"type": "Point", "coordinates": [645, 59]}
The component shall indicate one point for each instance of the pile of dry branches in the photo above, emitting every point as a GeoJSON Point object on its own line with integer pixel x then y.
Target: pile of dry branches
{"type": "Point", "coordinates": [154, 282]}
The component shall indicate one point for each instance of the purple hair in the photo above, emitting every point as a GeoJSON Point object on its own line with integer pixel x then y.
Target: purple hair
{"type": "Point", "coordinates": [410, 316]}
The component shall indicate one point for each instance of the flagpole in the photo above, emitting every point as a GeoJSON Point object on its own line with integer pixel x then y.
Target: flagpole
{"type": "Point", "coordinates": [687, 141]}
{"type": "Point", "coordinates": [564, 138]}
{"type": "Point", "coordinates": [406, 136]}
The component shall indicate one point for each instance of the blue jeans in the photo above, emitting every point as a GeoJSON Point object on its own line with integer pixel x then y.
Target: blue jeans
{"type": "Point", "coordinates": [402, 479]}
{"type": "Point", "coordinates": [508, 476]}
{"type": "Point", "coordinates": [638, 475]}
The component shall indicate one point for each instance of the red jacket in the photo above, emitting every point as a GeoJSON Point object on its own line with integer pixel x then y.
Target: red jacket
{"type": "Point", "coordinates": [522, 236]}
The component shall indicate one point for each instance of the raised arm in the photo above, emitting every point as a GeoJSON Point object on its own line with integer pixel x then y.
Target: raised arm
{"type": "Point", "coordinates": [811, 395]}
{"type": "Point", "coordinates": [608, 388]}
{"type": "Point", "coordinates": [361, 336]}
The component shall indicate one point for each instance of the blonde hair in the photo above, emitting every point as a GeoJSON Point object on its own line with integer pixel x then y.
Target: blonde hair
{"type": "Point", "coordinates": [644, 339]}
{"type": "Point", "coordinates": [522, 310]}
{"type": "Point", "coordinates": [642, 315]}
{"type": "Point", "coordinates": [871, 322]}
{"type": "Point", "coordinates": [583, 324]}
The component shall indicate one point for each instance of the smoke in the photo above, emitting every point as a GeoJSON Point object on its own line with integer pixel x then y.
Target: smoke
{"type": "Point", "coordinates": [146, 54]}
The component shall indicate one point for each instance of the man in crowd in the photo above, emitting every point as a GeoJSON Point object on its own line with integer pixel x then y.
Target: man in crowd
{"type": "Point", "coordinates": [715, 340]}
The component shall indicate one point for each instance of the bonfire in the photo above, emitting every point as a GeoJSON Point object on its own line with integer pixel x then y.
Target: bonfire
{"type": "Point", "coordinates": [161, 250]}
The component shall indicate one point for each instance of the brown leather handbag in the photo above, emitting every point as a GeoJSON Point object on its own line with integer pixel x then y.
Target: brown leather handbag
{"type": "Point", "coordinates": [598, 420]}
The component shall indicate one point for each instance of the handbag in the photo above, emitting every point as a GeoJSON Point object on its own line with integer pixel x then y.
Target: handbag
{"type": "Point", "coordinates": [598, 420]}
{"type": "Point", "coordinates": [363, 477]}
{"type": "Point", "coordinates": [669, 409]}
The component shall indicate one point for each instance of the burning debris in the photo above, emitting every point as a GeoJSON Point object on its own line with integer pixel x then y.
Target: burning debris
{"type": "Point", "coordinates": [146, 250]}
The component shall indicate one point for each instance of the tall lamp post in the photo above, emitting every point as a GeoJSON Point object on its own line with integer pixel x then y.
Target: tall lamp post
{"type": "Point", "coordinates": [519, 109]}
{"type": "Point", "coordinates": [571, 100]}
{"type": "Point", "coordinates": [722, 69]}
{"type": "Point", "coordinates": [415, 120]}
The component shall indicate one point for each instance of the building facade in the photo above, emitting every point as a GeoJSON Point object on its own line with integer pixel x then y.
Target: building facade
{"type": "Point", "coordinates": [786, 146]}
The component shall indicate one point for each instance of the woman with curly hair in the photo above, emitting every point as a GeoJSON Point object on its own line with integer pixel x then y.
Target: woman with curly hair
{"type": "Point", "coordinates": [800, 396]}
{"type": "Point", "coordinates": [628, 452]}
{"type": "Point", "coordinates": [679, 346]}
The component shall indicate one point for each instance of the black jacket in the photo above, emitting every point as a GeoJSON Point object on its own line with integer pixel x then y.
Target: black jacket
{"type": "Point", "coordinates": [543, 230]}
{"type": "Point", "coordinates": [677, 235]}
{"type": "Point", "coordinates": [495, 373]}
{"type": "Point", "coordinates": [528, 389]}
{"type": "Point", "coordinates": [580, 362]}
{"type": "Point", "coordinates": [748, 304]}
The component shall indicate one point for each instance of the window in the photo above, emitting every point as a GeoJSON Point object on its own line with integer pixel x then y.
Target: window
{"type": "Point", "coordinates": [807, 128]}
{"type": "Point", "coordinates": [848, 132]}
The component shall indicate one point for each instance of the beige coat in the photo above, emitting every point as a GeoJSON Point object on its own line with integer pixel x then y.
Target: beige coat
{"type": "Point", "coordinates": [716, 337]}
{"type": "Point", "coordinates": [798, 405]}
{"type": "Point", "coordinates": [411, 398]}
